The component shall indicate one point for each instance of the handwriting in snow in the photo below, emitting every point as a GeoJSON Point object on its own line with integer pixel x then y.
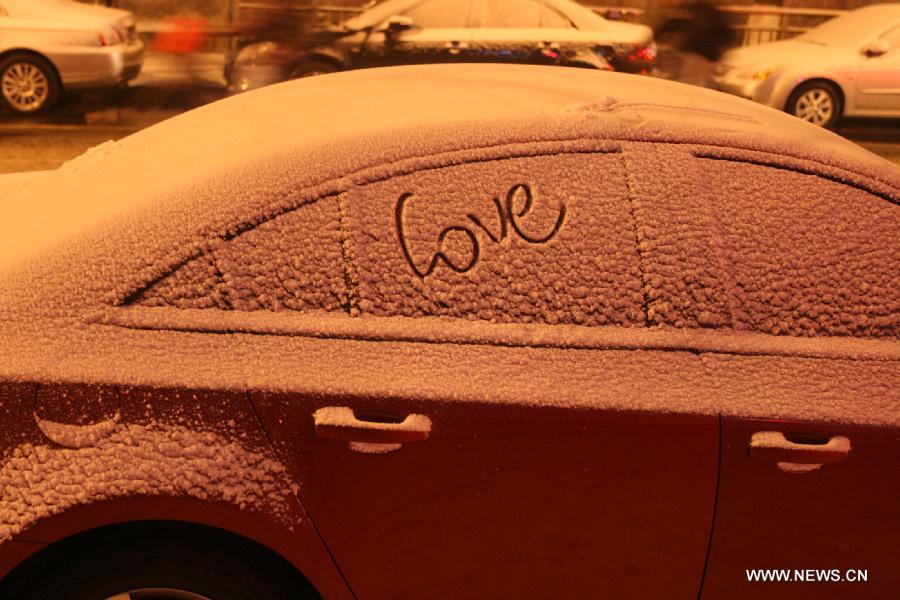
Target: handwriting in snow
{"type": "Point", "coordinates": [507, 217]}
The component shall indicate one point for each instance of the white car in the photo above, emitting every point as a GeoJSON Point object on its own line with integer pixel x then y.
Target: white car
{"type": "Point", "coordinates": [47, 46]}
{"type": "Point", "coordinates": [848, 66]}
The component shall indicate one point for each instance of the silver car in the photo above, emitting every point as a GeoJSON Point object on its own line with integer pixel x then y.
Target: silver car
{"type": "Point", "coordinates": [400, 32]}
{"type": "Point", "coordinates": [848, 66]}
{"type": "Point", "coordinates": [50, 45]}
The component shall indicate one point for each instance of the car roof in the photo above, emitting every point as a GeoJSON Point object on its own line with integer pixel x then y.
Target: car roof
{"type": "Point", "coordinates": [581, 16]}
{"type": "Point", "coordinates": [73, 243]}
{"type": "Point", "coordinates": [306, 133]}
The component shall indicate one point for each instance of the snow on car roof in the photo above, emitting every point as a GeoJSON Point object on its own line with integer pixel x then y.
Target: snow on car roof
{"type": "Point", "coordinates": [854, 27]}
{"type": "Point", "coordinates": [581, 16]}
{"type": "Point", "coordinates": [326, 127]}
{"type": "Point", "coordinates": [127, 212]}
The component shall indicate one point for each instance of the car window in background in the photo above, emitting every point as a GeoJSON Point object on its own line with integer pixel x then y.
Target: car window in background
{"type": "Point", "coordinates": [892, 37]}
{"type": "Point", "coordinates": [518, 14]}
{"type": "Point", "coordinates": [35, 8]}
{"type": "Point", "coordinates": [846, 31]}
{"type": "Point", "coordinates": [443, 14]}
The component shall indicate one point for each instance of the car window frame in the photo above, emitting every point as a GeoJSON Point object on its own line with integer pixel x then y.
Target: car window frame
{"type": "Point", "coordinates": [571, 24]}
{"type": "Point", "coordinates": [384, 24]}
{"type": "Point", "coordinates": [893, 30]}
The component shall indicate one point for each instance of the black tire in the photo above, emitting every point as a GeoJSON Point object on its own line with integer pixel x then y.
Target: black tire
{"type": "Point", "coordinates": [817, 102]}
{"type": "Point", "coordinates": [28, 84]}
{"type": "Point", "coordinates": [192, 559]}
{"type": "Point", "coordinates": [311, 68]}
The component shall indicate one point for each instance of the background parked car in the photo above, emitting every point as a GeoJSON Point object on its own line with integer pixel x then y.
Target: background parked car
{"type": "Point", "coordinates": [551, 32]}
{"type": "Point", "coordinates": [847, 66]}
{"type": "Point", "coordinates": [48, 46]}
{"type": "Point", "coordinates": [498, 331]}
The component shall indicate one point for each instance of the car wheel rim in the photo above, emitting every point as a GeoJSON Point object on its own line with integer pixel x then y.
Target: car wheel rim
{"type": "Point", "coordinates": [815, 106]}
{"type": "Point", "coordinates": [158, 594]}
{"type": "Point", "coordinates": [25, 86]}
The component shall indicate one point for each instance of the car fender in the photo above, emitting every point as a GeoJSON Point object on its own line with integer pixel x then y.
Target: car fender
{"type": "Point", "coordinates": [792, 78]}
{"type": "Point", "coordinates": [301, 547]}
{"type": "Point", "coordinates": [74, 457]}
{"type": "Point", "coordinates": [324, 54]}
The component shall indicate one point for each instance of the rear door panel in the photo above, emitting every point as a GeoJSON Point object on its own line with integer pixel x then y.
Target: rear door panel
{"type": "Point", "coordinates": [508, 500]}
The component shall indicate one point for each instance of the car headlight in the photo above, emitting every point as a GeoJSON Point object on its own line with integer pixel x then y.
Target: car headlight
{"type": "Point", "coordinates": [763, 74]}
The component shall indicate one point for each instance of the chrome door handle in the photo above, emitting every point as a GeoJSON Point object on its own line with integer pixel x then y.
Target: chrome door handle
{"type": "Point", "coordinates": [340, 423]}
{"type": "Point", "coordinates": [773, 445]}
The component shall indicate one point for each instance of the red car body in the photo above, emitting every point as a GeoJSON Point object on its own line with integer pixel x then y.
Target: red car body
{"type": "Point", "coordinates": [464, 331]}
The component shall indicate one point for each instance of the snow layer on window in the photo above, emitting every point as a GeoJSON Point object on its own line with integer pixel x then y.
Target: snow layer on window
{"type": "Point", "coordinates": [545, 239]}
{"type": "Point", "coordinates": [197, 284]}
{"type": "Point", "coordinates": [807, 256]}
{"type": "Point", "coordinates": [40, 480]}
{"type": "Point", "coordinates": [292, 262]}
{"type": "Point", "coordinates": [677, 232]}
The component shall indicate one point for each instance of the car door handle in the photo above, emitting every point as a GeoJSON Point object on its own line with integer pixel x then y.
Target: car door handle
{"type": "Point", "coordinates": [804, 450]}
{"type": "Point", "coordinates": [341, 423]}
{"type": "Point", "coordinates": [455, 46]}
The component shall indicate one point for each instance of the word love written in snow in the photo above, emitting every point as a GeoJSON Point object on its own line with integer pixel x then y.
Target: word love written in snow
{"type": "Point", "coordinates": [506, 215]}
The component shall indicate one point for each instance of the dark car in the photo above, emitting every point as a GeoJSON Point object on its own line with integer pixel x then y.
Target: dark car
{"type": "Point", "coordinates": [454, 331]}
{"type": "Point", "coordinates": [397, 32]}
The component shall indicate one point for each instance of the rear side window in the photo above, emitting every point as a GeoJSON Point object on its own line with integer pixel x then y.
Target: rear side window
{"type": "Point", "coordinates": [545, 239]}
{"type": "Point", "coordinates": [524, 14]}
{"type": "Point", "coordinates": [291, 262]}
{"type": "Point", "coordinates": [440, 14]}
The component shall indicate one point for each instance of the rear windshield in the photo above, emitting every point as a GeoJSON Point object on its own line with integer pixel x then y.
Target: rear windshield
{"type": "Point", "coordinates": [852, 29]}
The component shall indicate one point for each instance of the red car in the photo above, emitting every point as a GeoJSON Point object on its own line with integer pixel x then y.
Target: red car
{"type": "Point", "coordinates": [454, 331]}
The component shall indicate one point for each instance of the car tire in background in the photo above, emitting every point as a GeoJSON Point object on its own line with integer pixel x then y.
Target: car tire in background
{"type": "Point", "coordinates": [28, 83]}
{"type": "Point", "coordinates": [157, 561]}
{"type": "Point", "coordinates": [311, 68]}
{"type": "Point", "coordinates": [817, 102]}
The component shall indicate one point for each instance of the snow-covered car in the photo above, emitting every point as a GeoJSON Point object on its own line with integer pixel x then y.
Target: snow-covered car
{"type": "Point", "coordinates": [47, 46]}
{"type": "Point", "coordinates": [396, 32]}
{"type": "Point", "coordinates": [492, 331]}
{"type": "Point", "coordinates": [848, 66]}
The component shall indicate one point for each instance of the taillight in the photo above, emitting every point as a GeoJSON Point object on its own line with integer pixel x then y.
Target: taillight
{"type": "Point", "coordinates": [643, 54]}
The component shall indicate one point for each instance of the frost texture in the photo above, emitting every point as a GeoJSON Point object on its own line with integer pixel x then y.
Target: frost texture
{"type": "Point", "coordinates": [654, 235]}
{"type": "Point", "coordinates": [729, 244]}
{"type": "Point", "coordinates": [39, 481]}
{"type": "Point", "coordinates": [472, 246]}
{"type": "Point", "coordinates": [814, 257]}
{"type": "Point", "coordinates": [78, 436]}
{"type": "Point", "coordinates": [197, 284]}
{"type": "Point", "coordinates": [676, 229]}
{"type": "Point", "coordinates": [291, 262]}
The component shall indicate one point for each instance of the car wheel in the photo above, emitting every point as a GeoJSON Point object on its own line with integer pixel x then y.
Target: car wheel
{"type": "Point", "coordinates": [311, 68]}
{"type": "Point", "coordinates": [170, 566]}
{"type": "Point", "coordinates": [28, 84]}
{"type": "Point", "coordinates": [817, 102]}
